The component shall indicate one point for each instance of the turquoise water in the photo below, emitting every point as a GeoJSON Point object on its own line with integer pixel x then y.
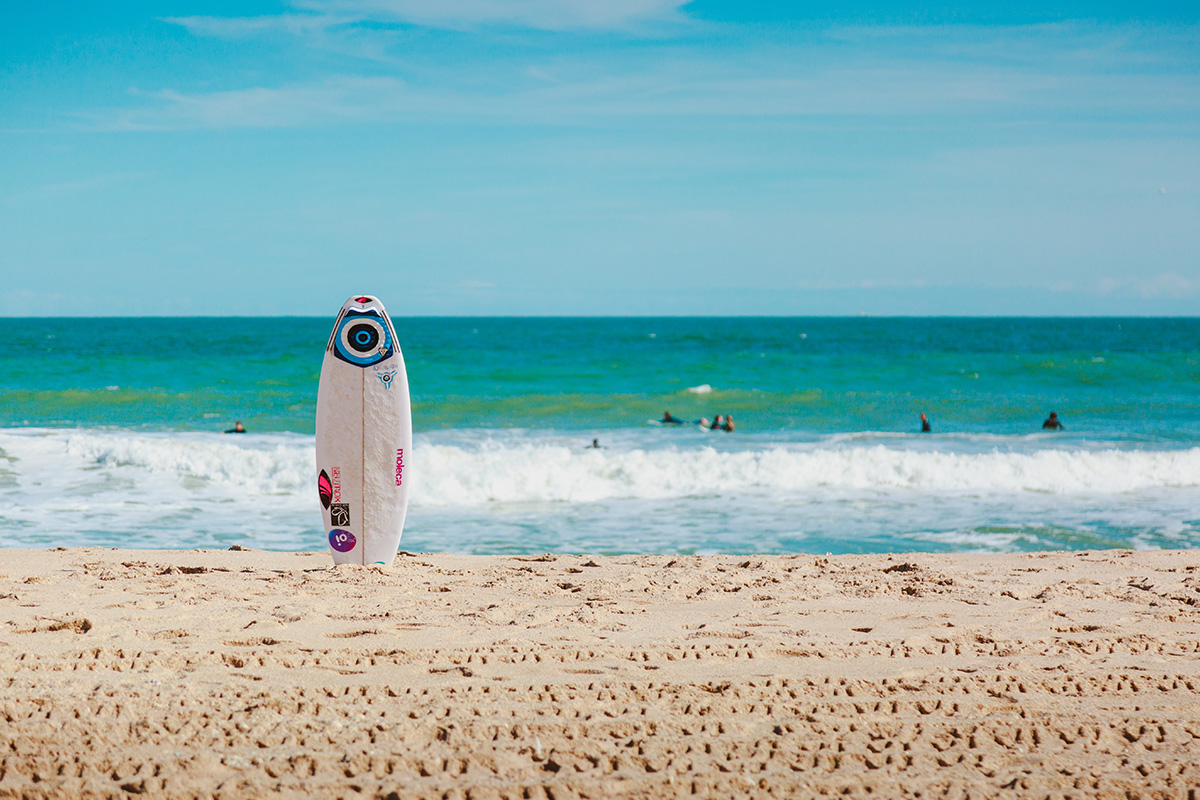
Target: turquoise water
{"type": "Point", "coordinates": [1123, 376]}
{"type": "Point", "coordinates": [109, 433]}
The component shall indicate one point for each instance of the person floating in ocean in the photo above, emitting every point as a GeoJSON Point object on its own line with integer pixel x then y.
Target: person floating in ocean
{"type": "Point", "coordinates": [718, 423]}
{"type": "Point", "coordinates": [728, 426]}
{"type": "Point", "coordinates": [925, 426]}
{"type": "Point", "coordinates": [237, 428]}
{"type": "Point", "coordinates": [595, 445]}
{"type": "Point", "coordinates": [670, 420]}
{"type": "Point", "coordinates": [1052, 423]}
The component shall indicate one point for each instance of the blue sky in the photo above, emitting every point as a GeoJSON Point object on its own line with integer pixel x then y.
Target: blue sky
{"type": "Point", "coordinates": [629, 156]}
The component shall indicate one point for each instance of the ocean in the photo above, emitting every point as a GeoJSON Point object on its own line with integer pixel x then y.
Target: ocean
{"type": "Point", "coordinates": [110, 434]}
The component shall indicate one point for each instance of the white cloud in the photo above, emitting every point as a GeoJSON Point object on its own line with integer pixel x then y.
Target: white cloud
{"type": "Point", "coordinates": [241, 27]}
{"type": "Point", "coordinates": [29, 303]}
{"type": "Point", "coordinates": [548, 15]}
{"type": "Point", "coordinates": [334, 100]}
{"type": "Point", "coordinates": [1164, 284]}
{"type": "Point", "coordinates": [812, 75]}
{"type": "Point", "coordinates": [54, 192]}
{"type": "Point", "coordinates": [552, 15]}
{"type": "Point", "coordinates": [573, 91]}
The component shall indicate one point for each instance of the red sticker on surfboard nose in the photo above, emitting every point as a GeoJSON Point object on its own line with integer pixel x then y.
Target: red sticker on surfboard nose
{"type": "Point", "coordinates": [362, 299]}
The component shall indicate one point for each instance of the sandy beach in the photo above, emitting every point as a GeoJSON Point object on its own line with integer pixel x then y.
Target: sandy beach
{"type": "Point", "coordinates": [248, 673]}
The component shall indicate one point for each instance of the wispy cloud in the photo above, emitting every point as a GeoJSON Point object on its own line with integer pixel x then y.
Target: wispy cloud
{"type": "Point", "coordinates": [552, 15]}
{"type": "Point", "coordinates": [1164, 284]}
{"type": "Point", "coordinates": [241, 27]}
{"type": "Point", "coordinates": [571, 91]}
{"type": "Point", "coordinates": [1018, 74]}
{"type": "Point", "coordinates": [335, 100]}
{"type": "Point", "coordinates": [58, 191]}
{"type": "Point", "coordinates": [315, 16]}
{"type": "Point", "coordinates": [26, 302]}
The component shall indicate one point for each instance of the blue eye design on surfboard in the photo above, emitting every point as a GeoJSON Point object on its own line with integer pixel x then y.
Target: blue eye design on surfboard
{"type": "Point", "coordinates": [362, 338]}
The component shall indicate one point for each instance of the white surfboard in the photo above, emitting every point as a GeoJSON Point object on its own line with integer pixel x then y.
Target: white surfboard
{"type": "Point", "coordinates": [364, 436]}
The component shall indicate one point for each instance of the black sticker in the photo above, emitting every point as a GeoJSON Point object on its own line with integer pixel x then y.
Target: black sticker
{"type": "Point", "coordinates": [339, 514]}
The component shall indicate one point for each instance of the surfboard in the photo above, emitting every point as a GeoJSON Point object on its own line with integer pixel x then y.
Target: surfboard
{"type": "Point", "coordinates": [364, 435]}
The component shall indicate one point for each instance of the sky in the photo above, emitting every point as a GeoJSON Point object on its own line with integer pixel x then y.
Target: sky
{"type": "Point", "coordinates": [599, 157]}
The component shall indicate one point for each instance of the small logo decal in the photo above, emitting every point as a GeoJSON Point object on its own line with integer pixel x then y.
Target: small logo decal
{"type": "Point", "coordinates": [337, 484]}
{"type": "Point", "coordinates": [362, 299]}
{"type": "Point", "coordinates": [342, 541]}
{"type": "Point", "coordinates": [325, 488]}
{"type": "Point", "coordinates": [386, 378]}
{"type": "Point", "coordinates": [339, 514]}
{"type": "Point", "coordinates": [400, 466]}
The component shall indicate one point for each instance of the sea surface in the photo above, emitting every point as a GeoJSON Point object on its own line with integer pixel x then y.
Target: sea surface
{"type": "Point", "coordinates": [110, 434]}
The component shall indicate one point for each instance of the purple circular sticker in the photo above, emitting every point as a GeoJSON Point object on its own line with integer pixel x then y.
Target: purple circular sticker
{"type": "Point", "coordinates": [342, 541]}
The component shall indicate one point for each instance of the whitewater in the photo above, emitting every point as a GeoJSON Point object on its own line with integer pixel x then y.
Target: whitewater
{"type": "Point", "coordinates": [525, 491]}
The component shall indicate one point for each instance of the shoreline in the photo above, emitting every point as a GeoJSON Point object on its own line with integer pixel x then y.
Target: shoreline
{"type": "Point", "coordinates": [244, 673]}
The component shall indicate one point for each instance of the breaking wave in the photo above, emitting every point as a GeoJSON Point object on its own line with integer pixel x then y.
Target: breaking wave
{"type": "Point", "coordinates": [474, 474]}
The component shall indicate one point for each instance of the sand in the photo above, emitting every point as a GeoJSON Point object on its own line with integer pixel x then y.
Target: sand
{"type": "Point", "coordinates": [247, 674]}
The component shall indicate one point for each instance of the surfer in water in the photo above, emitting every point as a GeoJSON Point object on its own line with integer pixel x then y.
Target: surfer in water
{"type": "Point", "coordinates": [925, 426]}
{"type": "Point", "coordinates": [718, 422]}
{"type": "Point", "coordinates": [237, 428]}
{"type": "Point", "coordinates": [728, 426]}
{"type": "Point", "coordinates": [670, 420]}
{"type": "Point", "coordinates": [595, 445]}
{"type": "Point", "coordinates": [1052, 423]}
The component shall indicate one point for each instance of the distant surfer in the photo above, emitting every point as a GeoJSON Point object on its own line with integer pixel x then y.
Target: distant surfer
{"type": "Point", "coordinates": [718, 423]}
{"type": "Point", "coordinates": [670, 420]}
{"type": "Point", "coordinates": [595, 445]}
{"type": "Point", "coordinates": [728, 426]}
{"type": "Point", "coordinates": [925, 426]}
{"type": "Point", "coordinates": [237, 428]}
{"type": "Point", "coordinates": [1052, 423]}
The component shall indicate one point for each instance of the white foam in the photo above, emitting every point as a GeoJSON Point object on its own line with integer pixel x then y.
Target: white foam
{"type": "Point", "coordinates": [447, 475]}
{"type": "Point", "coordinates": [137, 488]}
{"type": "Point", "coordinates": [154, 490]}
{"type": "Point", "coordinates": [258, 466]}
{"type": "Point", "coordinates": [703, 388]}
{"type": "Point", "coordinates": [537, 470]}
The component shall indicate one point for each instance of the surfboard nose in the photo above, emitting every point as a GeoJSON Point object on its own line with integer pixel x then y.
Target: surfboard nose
{"type": "Point", "coordinates": [362, 302]}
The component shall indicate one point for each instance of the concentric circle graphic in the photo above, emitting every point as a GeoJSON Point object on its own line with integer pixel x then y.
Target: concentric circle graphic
{"type": "Point", "coordinates": [362, 337]}
{"type": "Point", "coordinates": [363, 340]}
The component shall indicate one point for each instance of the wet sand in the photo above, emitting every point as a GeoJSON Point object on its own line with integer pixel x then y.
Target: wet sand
{"type": "Point", "coordinates": [244, 674]}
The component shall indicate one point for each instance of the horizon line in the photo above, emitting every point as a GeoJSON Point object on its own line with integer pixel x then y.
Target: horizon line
{"type": "Point", "coordinates": [861, 315]}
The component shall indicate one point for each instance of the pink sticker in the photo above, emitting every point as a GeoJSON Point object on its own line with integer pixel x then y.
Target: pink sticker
{"type": "Point", "coordinates": [324, 488]}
